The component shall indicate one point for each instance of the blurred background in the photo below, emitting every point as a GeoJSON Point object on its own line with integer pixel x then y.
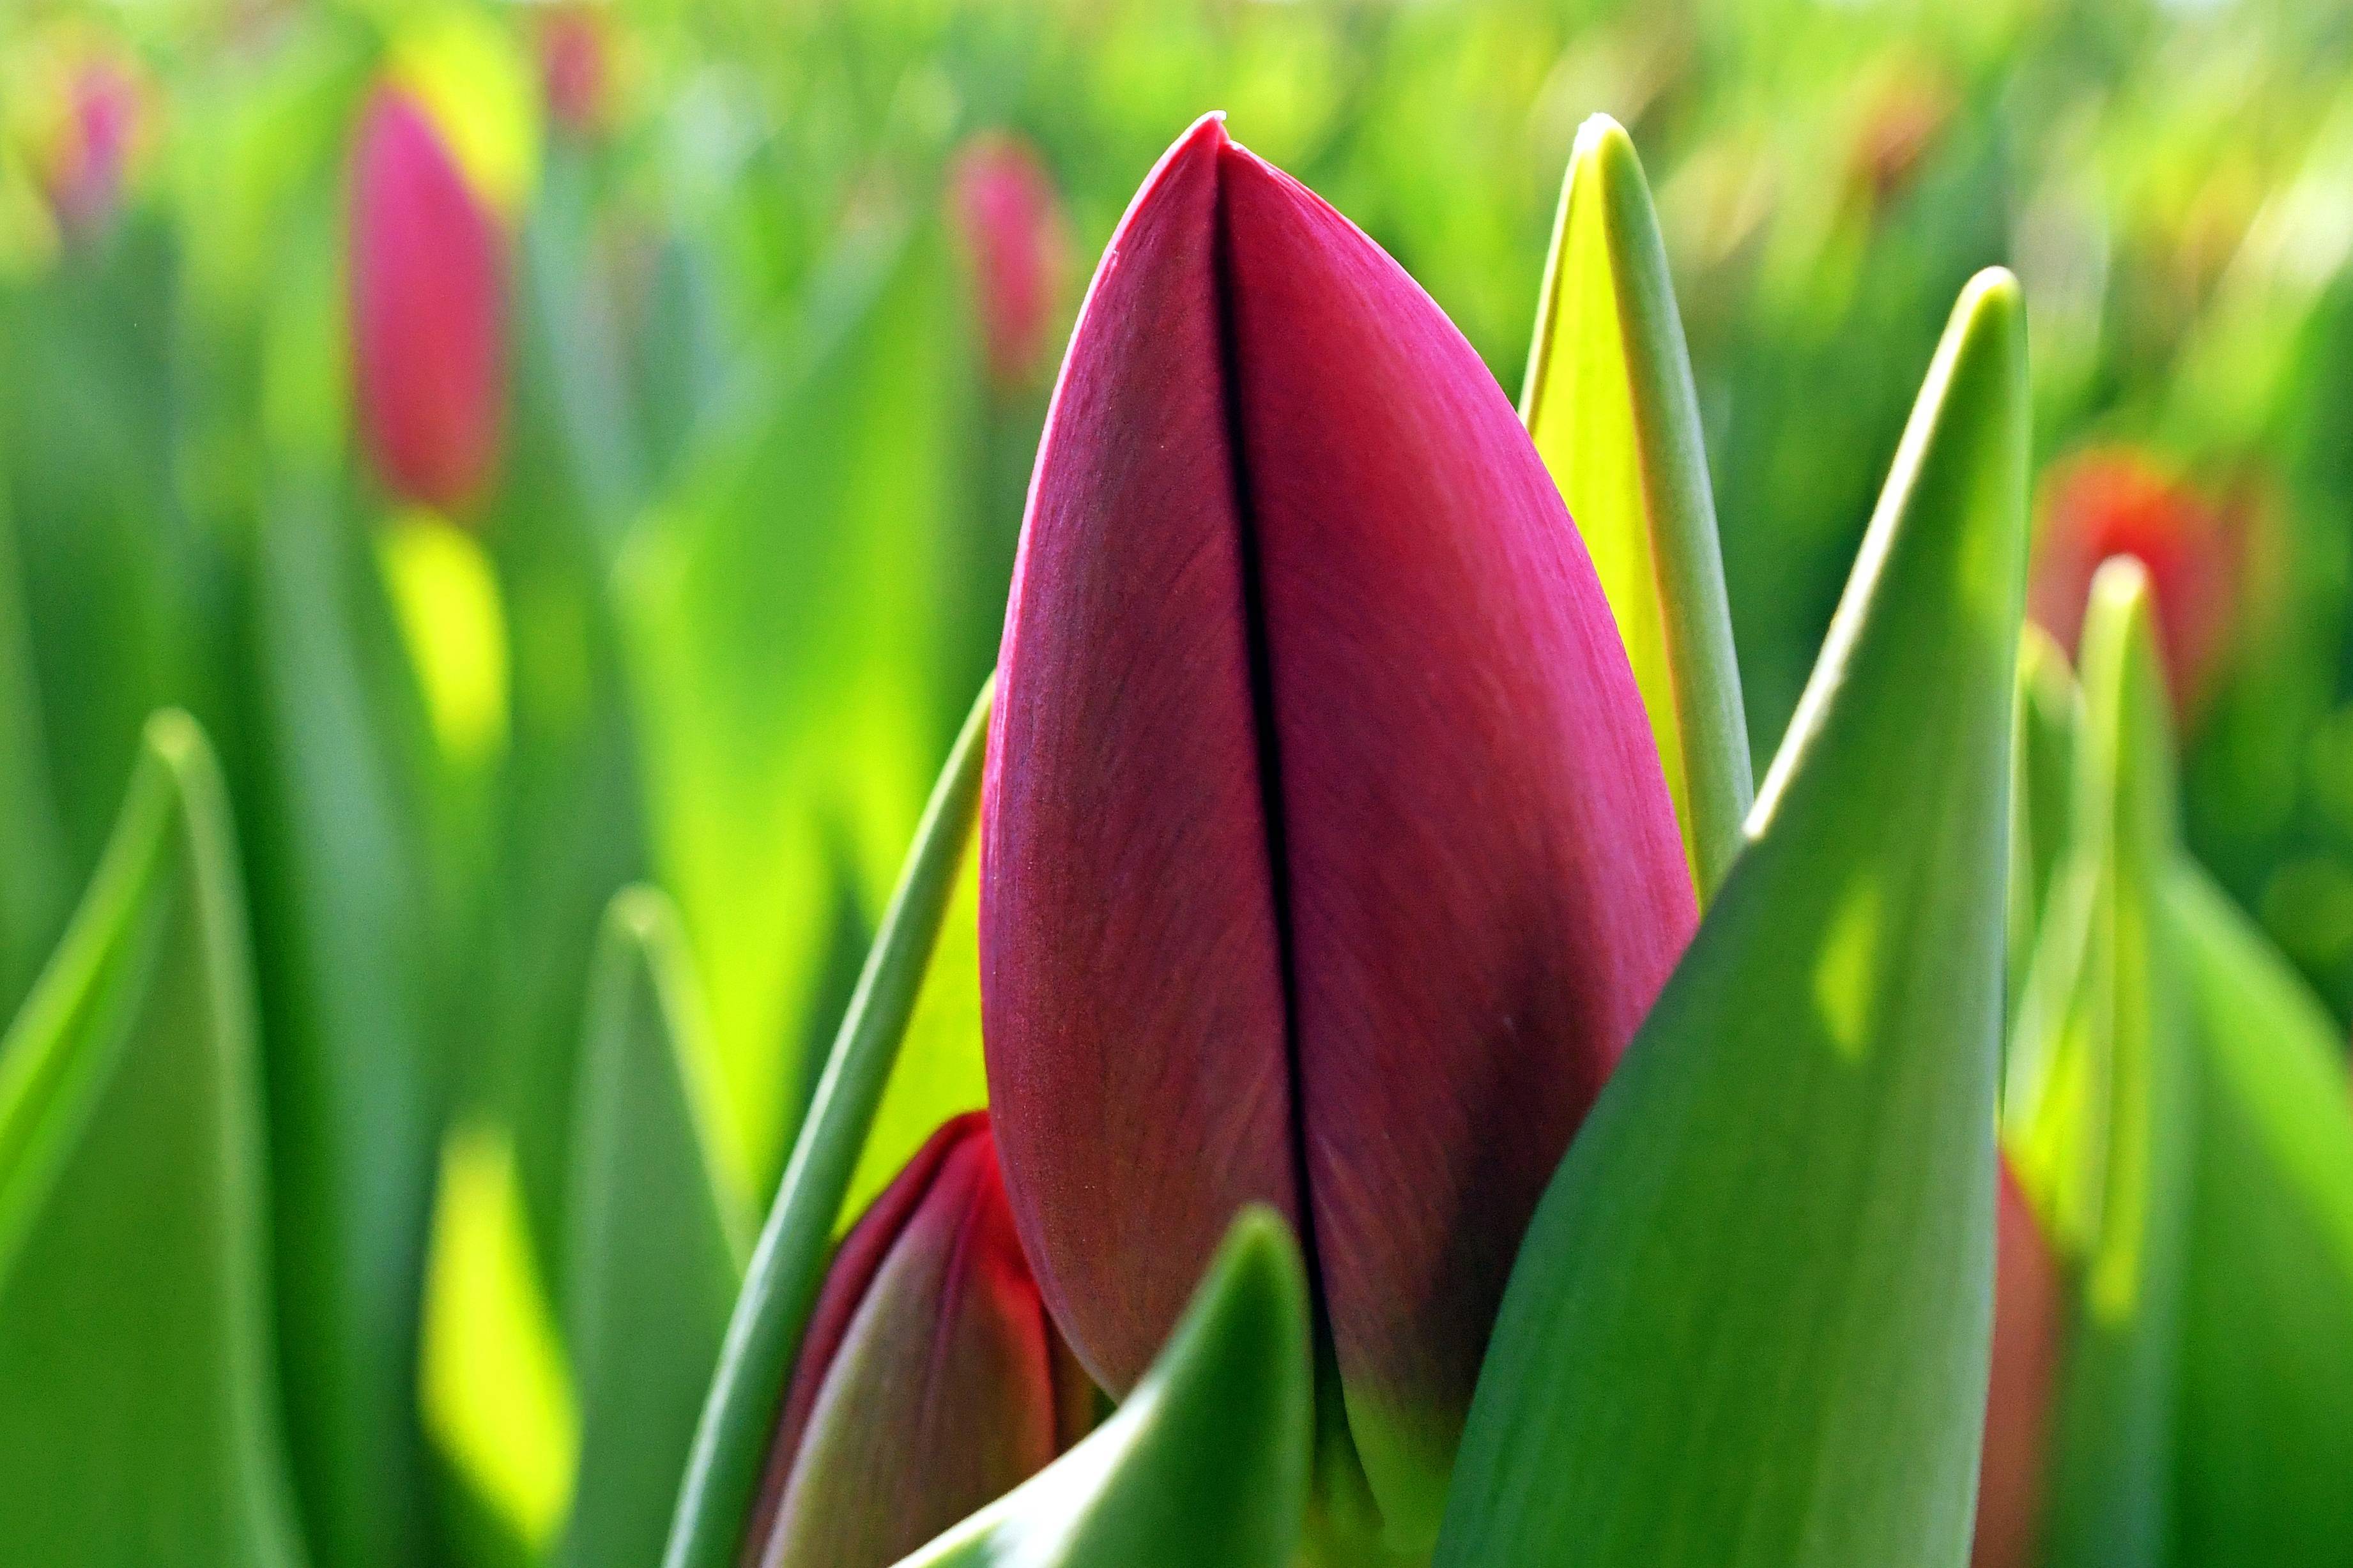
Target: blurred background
{"type": "Point", "coordinates": [553, 445]}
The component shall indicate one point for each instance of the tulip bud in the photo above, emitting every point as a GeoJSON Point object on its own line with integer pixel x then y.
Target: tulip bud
{"type": "Point", "coordinates": [87, 148]}
{"type": "Point", "coordinates": [2026, 1307]}
{"type": "Point", "coordinates": [1326, 857]}
{"type": "Point", "coordinates": [575, 68]}
{"type": "Point", "coordinates": [1015, 236]}
{"type": "Point", "coordinates": [428, 303]}
{"type": "Point", "coordinates": [931, 1381]}
{"type": "Point", "coordinates": [2118, 502]}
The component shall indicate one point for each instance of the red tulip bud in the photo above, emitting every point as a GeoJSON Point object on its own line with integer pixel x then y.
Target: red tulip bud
{"type": "Point", "coordinates": [575, 68]}
{"type": "Point", "coordinates": [428, 280]}
{"type": "Point", "coordinates": [89, 147]}
{"type": "Point", "coordinates": [2118, 502]}
{"type": "Point", "coordinates": [2026, 1309]}
{"type": "Point", "coordinates": [1013, 232]}
{"type": "Point", "coordinates": [1326, 859]}
{"type": "Point", "coordinates": [931, 1381]}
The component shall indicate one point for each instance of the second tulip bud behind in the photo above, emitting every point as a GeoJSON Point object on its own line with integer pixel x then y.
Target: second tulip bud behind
{"type": "Point", "coordinates": [1326, 857]}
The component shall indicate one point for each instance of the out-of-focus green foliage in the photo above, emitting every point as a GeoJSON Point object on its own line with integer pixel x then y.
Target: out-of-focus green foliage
{"type": "Point", "coordinates": [715, 622]}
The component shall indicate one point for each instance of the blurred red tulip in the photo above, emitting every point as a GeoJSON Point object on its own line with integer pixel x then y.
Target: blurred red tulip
{"type": "Point", "coordinates": [930, 1382]}
{"type": "Point", "coordinates": [1019, 243]}
{"type": "Point", "coordinates": [89, 148]}
{"type": "Point", "coordinates": [1326, 856]}
{"type": "Point", "coordinates": [2117, 501]}
{"type": "Point", "coordinates": [428, 307]}
{"type": "Point", "coordinates": [2026, 1307]}
{"type": "Point", "coordinates": [576, 67]}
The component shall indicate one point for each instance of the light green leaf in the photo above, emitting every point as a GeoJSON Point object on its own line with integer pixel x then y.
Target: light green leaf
{"type": "Point", "coordinates": [783, 611]}
{"type": "Point", "coordinates": [138, 1391]}
{"type": "Point", "coordinates": [764, 1336]}
{"type": "Point", "coordinates": [658, 1241]}
{"type": "Point", "coordinates": [2266, 1413]}
{"type": "Point", "coordinates": [2098, 1114]}
{"type": "Point", "coordinates": [1749, 1324]}
{"type": "Point", "coordinates": [1205, 1466]}
{"type": "Point", "coordinates": [1611, 405]}
{"type": "Point", "coordinates": [2041, 791]}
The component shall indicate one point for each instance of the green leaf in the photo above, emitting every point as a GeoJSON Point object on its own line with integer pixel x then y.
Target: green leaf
{"type": "Point", "coordinates": [658, 1242]}
{"type": "Point", "coordinates": [739, 1417]}
{"type": "Point", "coordinates": [1205, 1466]}
{"type": "Point", "coordinates": [1611, 405]}
{"type": "Point", "coordinates": [138, 1392]}
{"type": "Point", "coordinates": [2041, 791]}
{"type": "Point", "coordinates": [783, 616]}
{"type": "Point", "coordinates": [2266, 1413]}
{"type": "Point", "coordinates": [1749, 1324]}
{"type": "Point", "coordinates": [32, 842]}
{"type": "Point", "coordinates": [2097, 1115]}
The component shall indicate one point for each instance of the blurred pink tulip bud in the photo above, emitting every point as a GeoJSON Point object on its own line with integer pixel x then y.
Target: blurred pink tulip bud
{"type": "Point", "coordinates": [2118, 501]}
{"type": "Point", "coordinates": [427, 310]}
{"type": "Point", "coordinates": [88, 148]}
{"type": "Point", "coordinates": [930, 1382]}
{"type": "Point", "coordinates": [576, 67]}
{"type": "Point", "coordinates": [1327, 859]}
{"type": "Point", "coordinates": [2026, 1307]}
{"type": "Point", "coordinates": [1019, 245]}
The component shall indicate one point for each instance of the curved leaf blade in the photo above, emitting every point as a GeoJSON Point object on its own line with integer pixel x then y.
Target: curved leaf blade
{"type": "Point", "coordinates": [1749, 1324]}
{"type": "Point", "coordinates": [1610, 405]}
{"type": "Point", "coordinates": [739, 1416]}
{"type": "Point", "coordinates": [658, 1239]}
{"type": "Point", "coordinates": [2266, 1412]}
{"type": "Point", "coordinates": [1205, 1466]}
{"type": "Point", "coordinates": [138, 1391]}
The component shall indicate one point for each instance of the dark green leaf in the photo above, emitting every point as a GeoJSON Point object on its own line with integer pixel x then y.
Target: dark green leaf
{"type": "Point", "coordinates": [138, 1396]}
{"type": "Point", "coordinates": [658, 1241]}
{"type": "Point", "coordinates": [1749, 1323]}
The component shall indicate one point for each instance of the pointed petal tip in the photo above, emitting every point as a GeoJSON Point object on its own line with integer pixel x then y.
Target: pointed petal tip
{"type": "Point", "coordinates": [1602, 139]}
{"type": "Point", "coordinates": [173, 738]}
{"type": "Point", "coordinates": [639, 915]}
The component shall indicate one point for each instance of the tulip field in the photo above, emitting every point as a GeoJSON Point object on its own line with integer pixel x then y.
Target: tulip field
{"type": "Point", "coordinates": [1098, 783]}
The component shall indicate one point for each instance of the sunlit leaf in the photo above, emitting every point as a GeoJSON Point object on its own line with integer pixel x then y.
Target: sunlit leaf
{"type": "Point", "coordinates": [2096, 1113]}
{"type": "Point", "coordinates": [493, 1389]}
{"type": "Point", "coordinates": [2266, 1412]}
{"type": "Point", "coordinates": [658, 1239]}
{"type": "Point", "coordinates": [1610, 405]}
{"type": "Point", "coordinates": [783, 612]}
{"type": "Point", "coordinates": [1749, 1323]}
{"type": "Point", "coordinates": [1205, 1464]}
{"type": "Point", "coordinates": [739, 1417]}
{"type": "Point", "coordinates": [2041, 791]}
{"type": "Point", "coordinates": [138, 1389]}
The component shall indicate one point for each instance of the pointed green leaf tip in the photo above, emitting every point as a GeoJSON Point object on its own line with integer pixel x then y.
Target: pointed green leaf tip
{"type": "Point", "coordinates": [1205, 1466]}
{"type": "Point", "coordinates": [1610, 405]}
{"type": "Point", "coordinates": [780, 1288]}
{"type": "Point", "coordinates": [1749, 1325]}
{"type": "Point", "coordinates": [658, 1237]}
{"type": "Point", "coordinates": [138, 1391]}
{"type": "Point", "coordinates": [2097, 1114]}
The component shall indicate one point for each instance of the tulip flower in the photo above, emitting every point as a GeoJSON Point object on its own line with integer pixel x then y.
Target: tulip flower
{"type": "Point", "coordinates": [2119, 502]}
{"type": "Point", "coordinates": [427, 305]}
{"type": "Point", "coordinates": [88, 147]}
{"type": "Point", "coordinates": [1012, 226]}
{"type": "Point", "coordinates": [1326, 857]}
{"type": "Point", "coordinates": [575, 68]}
{"type": "Point", "coordinates": [931, 1381]}
{"type": "Point", "coordinates": [2026, 1311]}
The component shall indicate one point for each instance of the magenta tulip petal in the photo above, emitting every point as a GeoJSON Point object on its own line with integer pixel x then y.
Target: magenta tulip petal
{"type": "Point", "coordinates": [428, 280]}
{"type": "Point", "coordinates": [930, 1382]}
{"type": "Point", "coordinates": [1132, 975]}
{"type": "Point", "coordinates": [1324, 834]}
{"type": "Point", "coordinates": [1486, 883]}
